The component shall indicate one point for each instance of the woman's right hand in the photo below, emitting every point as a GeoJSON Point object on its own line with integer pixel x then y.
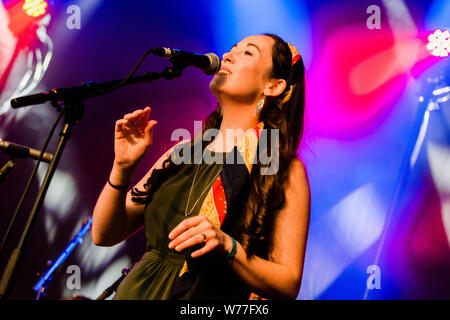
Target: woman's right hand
{"type": "Point", "coordinates": [132, 138]}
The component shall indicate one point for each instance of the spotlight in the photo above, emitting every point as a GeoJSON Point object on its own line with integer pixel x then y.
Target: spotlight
{"type": "Point", "coordinates": [439, 43]}
{"type": "Point", "coordinates": [28, 22]}
{"type": "Point", "coordinates": [25, 15]}
{"type": "Point", "coordinates": [35, 8]}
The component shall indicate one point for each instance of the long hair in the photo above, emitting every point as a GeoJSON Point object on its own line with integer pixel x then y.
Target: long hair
{"type": "Point", "coordinates": [266, 193]}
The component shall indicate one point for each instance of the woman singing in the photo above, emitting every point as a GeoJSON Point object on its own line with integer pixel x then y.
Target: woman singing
{"type": "Point", "coordinates": [226, 229]}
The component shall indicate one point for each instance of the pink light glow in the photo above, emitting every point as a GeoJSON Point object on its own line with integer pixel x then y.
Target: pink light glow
{"type": "Point", "coordinates": [358, 74]}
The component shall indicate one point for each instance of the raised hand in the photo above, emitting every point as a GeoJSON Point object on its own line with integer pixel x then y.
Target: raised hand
{"type": "Point", "coordinates": [133, 137]}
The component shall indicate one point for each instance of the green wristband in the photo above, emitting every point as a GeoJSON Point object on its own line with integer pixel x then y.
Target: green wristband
{"type": "Point", "coordinates": [233, 251]}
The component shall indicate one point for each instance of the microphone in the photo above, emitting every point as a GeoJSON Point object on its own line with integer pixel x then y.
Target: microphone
{"type": "Point", "coordinates": [209, 63]}
{"type": "Point", "coordinates": [16, 150]}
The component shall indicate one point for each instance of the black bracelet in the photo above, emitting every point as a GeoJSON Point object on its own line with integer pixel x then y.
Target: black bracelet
{"type": "Point", "coordinates": [118, 187]}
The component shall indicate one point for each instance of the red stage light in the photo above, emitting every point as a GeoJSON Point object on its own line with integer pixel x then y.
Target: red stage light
{"type": "Point", "coordinates": [24, 15]}
{"type": "Point", "coordinates": [439, 43]}
{"type": "Point", "coordinates": [35, 8]}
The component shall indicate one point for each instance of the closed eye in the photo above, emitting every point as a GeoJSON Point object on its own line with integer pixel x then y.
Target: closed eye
{"type": "Point", "coordinates": [248, 53]}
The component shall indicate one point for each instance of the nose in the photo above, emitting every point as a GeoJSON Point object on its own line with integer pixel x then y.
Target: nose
{"type": "Point", "coordinates": [228, 57]}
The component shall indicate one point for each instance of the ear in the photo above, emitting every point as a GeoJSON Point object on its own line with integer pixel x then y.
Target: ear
{"type": "Point", "coordinates": [274, 87]}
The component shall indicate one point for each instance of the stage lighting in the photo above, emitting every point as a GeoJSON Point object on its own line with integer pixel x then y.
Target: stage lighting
{"type": "Point", "coordinates": [439, 43]}
{"type": "Point", "coordinates": [28, 22]}
{"type": "Point", "coordinates": [35, 8]}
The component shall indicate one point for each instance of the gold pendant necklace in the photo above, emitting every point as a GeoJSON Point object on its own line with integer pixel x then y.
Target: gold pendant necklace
{"type": "Point", "coordinates": [190, 191]}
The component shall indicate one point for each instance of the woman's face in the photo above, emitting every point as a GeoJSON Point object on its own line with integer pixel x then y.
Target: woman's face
{"type": "Point", "coordinates": [245, 70]}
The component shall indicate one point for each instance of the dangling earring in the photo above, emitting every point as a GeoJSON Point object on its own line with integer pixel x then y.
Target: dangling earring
{"type": "Point", "coordinates": [259, 106]}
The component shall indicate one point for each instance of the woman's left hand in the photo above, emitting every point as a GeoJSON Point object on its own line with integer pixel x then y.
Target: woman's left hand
{"type": "Point", "coordinates": [197, 230]}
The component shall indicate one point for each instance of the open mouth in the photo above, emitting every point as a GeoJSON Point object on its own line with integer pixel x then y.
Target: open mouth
{"type": "Point", "coordinates": [225, 72]}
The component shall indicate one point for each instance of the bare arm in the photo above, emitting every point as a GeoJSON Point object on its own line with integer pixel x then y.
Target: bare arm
{"type": "Point", "coordinates": [289, 243]}
{"type": "Point", "coordinates": [290, 237]}
{"type": "Point", "coordinates": [115, 215]}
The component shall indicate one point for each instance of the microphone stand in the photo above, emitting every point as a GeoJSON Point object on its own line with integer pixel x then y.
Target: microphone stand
{"type": "Point", "coordinates": [112, 288]}
{"type": "Point", "coordinates": [428, 102]}
{"type": "Point", "coordinates": [72, 101]}
{"type": "Point", "coordinates": [17, 152]}
{"type": "Point", "coordinates": [7, 168]}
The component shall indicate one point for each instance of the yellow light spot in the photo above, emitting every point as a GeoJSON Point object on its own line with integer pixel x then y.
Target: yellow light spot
{"type": "Point", "coordinates": [35, 8]}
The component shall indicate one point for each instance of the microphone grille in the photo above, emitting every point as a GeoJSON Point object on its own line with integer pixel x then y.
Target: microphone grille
{"type": "Point", "coordinates": [162, 52]}
{"type": "Point", "coordinates": [215, 64]}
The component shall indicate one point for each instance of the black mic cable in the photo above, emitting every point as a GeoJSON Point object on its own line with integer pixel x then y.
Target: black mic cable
{"type": "Point", "coordinates": [30, 180]}
{"type": "Point", "coordinates": [175, 55]}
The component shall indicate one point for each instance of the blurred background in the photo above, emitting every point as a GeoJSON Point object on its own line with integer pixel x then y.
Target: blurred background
{"type": "Point", "coordinates": [376, 143]}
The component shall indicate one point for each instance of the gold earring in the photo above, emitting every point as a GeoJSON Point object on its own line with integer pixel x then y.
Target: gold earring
{"type": "Point", "coordinates": [259, 106]}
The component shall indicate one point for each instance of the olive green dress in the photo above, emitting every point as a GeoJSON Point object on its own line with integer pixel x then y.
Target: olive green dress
{"type": "Point", "coordinates": [156, 275]}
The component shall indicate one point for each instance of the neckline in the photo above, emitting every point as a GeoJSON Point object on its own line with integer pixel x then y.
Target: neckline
{"type": "Point", "coordinates": [219, 152]}
{"type": "Point", "coordinates": [257, 128]}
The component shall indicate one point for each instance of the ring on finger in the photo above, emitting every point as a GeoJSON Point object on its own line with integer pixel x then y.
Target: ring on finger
{"type": "Point", "coordinates": [204, 237]}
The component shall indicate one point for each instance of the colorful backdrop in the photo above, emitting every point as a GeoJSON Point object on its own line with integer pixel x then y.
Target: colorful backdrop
{"type": "Point", "coordinates": [376, 144]}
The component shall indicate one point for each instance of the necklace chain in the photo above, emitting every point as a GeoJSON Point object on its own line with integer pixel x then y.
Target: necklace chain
{"type": "Point", "coordinates": [260, 125]}
{"type": "Point", "coordinates": [190, 191]}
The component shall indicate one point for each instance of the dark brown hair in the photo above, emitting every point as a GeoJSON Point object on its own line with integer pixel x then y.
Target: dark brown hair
{"type": "Point", "coordinates": [266, 195]}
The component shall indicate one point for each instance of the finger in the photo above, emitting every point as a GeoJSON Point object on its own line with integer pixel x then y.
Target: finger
{"type": "Point", "coordinates": [184, 225]}
{"type": "Point", "coordinates": [133, 115]}
{"type": "Point", "coordinates": [127, 120]}
{"type": "Point", "coordinates": [134, 124]}
{"type": "Point", "coordinates": [128, 124]}
{"type": "Point", "coordinates": [120, 122]}
{"type": "Point", "coordinates": [143, 118]}
{"type": "Point", "coordinates": [208, 247]}
{"type": "Point", "coordinates": [149, 130]}
{"type": "Point", "coordinates": [139, 118]}
{"type": "Point", "coordinates": [193, 240]}
{"type": "Point", "coordinates": [183, 237]}
{"type": "Point", "coordinates": [142, 112]}
{"type": "Point", "coordinates": [202, 232]}
{"type": "Point", "coordinates": [120, 125]}
{"type": "Point", "coordinates": [128, 116]}
{"type": "Point", "coordinates": [150, 125]}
